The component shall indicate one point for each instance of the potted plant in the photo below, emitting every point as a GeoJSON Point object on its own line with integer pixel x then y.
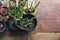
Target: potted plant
{"type": "Point", "coordinates": [29, 22]}
{"type": "Point", "coordinates": [2, 26]}
{"type": "Point", "coordinates": [22, 19]}
{"type": "Point", "coordinates": [2, 22]}
{"type": "Point", "coordinates": [15, 14]}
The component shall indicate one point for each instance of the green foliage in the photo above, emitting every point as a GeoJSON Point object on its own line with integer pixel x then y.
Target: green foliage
{"type": "Point", "coordinates": [32, 8]}
{"type": "Point", "coordinates": [25, 23]}
{"type": "Point", "coordinates": [16, 12]}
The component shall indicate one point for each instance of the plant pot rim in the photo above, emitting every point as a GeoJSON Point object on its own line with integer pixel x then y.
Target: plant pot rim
{"type": "Point", "coordinates": [32, 22]}
{"type": "Point", "coordinates": [10, 25]}
{"type": "Point", "coordinates": [4, 25]}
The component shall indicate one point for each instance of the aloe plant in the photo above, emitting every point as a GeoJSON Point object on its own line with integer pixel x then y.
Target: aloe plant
{"type": "Point", "coordinates": [16, 12]}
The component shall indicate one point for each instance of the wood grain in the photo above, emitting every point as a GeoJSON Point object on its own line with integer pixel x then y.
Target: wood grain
{"type": "Point", "coordinates": [48, 16]}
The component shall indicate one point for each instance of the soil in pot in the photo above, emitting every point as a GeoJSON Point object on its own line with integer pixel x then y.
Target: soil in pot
{"type": "Point", "coordinates": [28, 23]}
{"type": "Point", "coordinates": [2, 26]}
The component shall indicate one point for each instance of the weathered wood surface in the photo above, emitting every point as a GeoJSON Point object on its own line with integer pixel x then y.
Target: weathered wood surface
{"type": "Point", "coordinates": [48, 16]}
{"type": "Point", "coordinates": [45, 36]}
{"type": "Point", "coordinates": [14, 35]}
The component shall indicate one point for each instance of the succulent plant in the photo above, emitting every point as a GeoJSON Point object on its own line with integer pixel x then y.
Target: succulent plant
{"type": "Point", "coordinates": [16, 12]}
{"type": "Point", "coordinates": [32, 8]}
{"type": "Point", "coordinates": [26, 22]}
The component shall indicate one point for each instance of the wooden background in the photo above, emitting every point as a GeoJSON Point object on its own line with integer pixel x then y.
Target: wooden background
{"type": "Point", "coordinates": [48, 16]}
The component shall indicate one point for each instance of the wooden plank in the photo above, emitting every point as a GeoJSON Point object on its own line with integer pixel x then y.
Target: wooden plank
{"type": "Point", "coordinates": [48, 16]}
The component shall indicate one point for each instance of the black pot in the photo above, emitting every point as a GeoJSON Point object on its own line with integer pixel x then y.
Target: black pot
{"type": "Point", "coordinates": [29, 27]}
{"type": "Point", "coordinates": [12, 25]}
{"type": "Point", "coordinates": [2, 26]}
